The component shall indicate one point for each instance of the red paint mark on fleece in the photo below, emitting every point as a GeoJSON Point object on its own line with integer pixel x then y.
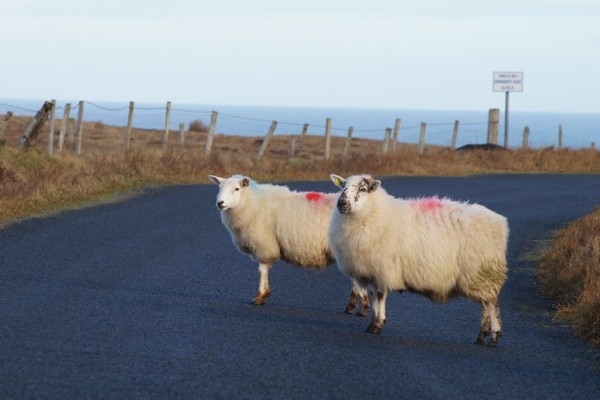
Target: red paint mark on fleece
{"type": "Point", "coordinates": [314, 196]}
{"type": "Point", "coordinates": [427, 204]}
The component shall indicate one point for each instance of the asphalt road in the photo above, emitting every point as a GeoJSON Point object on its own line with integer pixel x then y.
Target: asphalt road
{"type": "Point", "coordinates": [147, 298]}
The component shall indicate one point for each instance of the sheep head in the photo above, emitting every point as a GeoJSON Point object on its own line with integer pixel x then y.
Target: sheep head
{"type": "Point", "coordinates": [355, 190]}
{"type": "Point", "coordinates": [230, 190]}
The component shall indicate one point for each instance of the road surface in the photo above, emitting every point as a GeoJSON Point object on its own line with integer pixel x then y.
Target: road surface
{"type": "Point", "coordinates": [147, 298]}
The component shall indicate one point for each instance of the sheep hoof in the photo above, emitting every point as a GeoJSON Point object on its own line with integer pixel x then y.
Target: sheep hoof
{"type": "Point", "coordinates": [493, 342]}
{"type": "Point", "coordinates": [362, 312]}
{"type": "Point", "coordinates": [258, 302]}
{"type": "Point", "coordinates": [261, 298]}
{"type": "Point", "coordinates": [494, 339]}
{"type": "Point", "coordinates": [374, 328]}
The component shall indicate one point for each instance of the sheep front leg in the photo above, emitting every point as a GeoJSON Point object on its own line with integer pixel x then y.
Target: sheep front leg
{"type": "Point", "coordinates": [379, 301]}
{"type": "Point", "coordinates": [264, 291]}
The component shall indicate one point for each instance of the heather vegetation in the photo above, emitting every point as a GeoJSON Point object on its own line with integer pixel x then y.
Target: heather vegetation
{"type": "Point", "coordinates": [33, 183]}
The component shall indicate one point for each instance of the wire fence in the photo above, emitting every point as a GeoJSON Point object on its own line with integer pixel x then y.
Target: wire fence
{"type": "Point", "coordinates": [450, 133]}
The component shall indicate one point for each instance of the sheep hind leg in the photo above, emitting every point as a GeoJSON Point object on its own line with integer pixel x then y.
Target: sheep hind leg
{"type": "Point", "coordinates": [491, 324]}
{"type": "Point", "coordinates": [264, 291]}
{"type": "Point", "coordinates": [358, 293]}
{"type": "Point", "coordinates": [496, 323]}
{"type": "Point", "coordinates": [354, 295]}
{"type": "Point", "coordinates": [366, 304]}
{"type": "Point", "coordinates": [484, 326]}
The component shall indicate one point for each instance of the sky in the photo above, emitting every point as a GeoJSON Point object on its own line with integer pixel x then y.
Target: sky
{"type": "Point", "coordinates": [427, 54]}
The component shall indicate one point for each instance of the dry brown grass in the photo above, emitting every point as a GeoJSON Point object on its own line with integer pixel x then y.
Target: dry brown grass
{"type": "Point", "coordinates": [569, 273]}
{"type": "Point", "coordinates": [33, 183]}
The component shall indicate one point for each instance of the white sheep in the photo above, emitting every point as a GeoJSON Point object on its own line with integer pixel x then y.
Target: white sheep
{"type": "Point", "coordinates": [271, 223]}
{"type": "Point", "coordinates": [437, 247]}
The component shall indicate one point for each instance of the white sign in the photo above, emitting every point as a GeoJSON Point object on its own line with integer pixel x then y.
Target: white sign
{"type": "Point", "coordinates": [508, 81]}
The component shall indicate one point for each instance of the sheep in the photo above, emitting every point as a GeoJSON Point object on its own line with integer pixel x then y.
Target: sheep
{"type": "Point", "coordinates": [271, 223]}
{"type": "Point", "coordinates": [436, 247]}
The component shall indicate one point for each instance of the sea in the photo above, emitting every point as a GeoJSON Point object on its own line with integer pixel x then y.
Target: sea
{"type": "Point", "coordinates": [579, 130]}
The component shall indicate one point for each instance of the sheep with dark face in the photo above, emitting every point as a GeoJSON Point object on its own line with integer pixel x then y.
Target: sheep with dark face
{"type": "Point", "coordinates": [271, 223]}
{"type": "Point", "coordinates": [437, 247]}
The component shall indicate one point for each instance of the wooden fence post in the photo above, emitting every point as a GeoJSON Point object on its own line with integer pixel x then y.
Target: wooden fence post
{"type": "Point", "coordinates": [3, 125]}
{"type": "Point", "coordinates": [63, 126]}
{"type": "Point", "coordinates": [35, 126]}
{"type": "Point", "coordinates": [386, 140]}
{"type": "Point", "coordinates": [129, 126]}
{"type": "Point", "coordinates": [50, 138]}
{"type": "Point", "coordinates": [348, 140]}
{"type": "Point", "coordinates": [493, 122]}
{"type": "Point", "coordinates": [454, 135]}
{"type": "Point", "coordinates": [327, 138]}
{"type": "Point", "coordinates": [525, 137]}
{"type": "Point", "coordinates": [421, 148]}
{"type": "Point", "coordinates": [167, 126]}
{"type": "Point", "coordinates": [79, 128]}
{"type": "Point", "coordinates": [303, 136]}
{"type": "Point", "coordinates": [211, 132]}
{"type": "Point", "coordinates": [181, 133]}
{"type": "Point", "coordinates": [396, 133]}
{"type": "Point", "coordinates": [266, 140]}
{"type": "Point", "coordinates": [560, 136]}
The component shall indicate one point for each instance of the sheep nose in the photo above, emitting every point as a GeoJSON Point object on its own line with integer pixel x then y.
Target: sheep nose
{"type": "Point", "coordinates": [343, 205]}
{"type": "Point", "coordinates": [220, 204]}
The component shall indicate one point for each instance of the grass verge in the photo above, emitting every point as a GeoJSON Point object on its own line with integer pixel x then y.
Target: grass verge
{"type": "Point", "coordinates": [569, 273]}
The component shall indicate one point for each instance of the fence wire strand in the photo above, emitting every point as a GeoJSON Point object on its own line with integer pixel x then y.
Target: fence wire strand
{"type": "Point", "coordinates": [157, 115]}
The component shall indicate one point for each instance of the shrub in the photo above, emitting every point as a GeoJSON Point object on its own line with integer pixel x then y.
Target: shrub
{"type": "Point", "coordinates": [198, 126]}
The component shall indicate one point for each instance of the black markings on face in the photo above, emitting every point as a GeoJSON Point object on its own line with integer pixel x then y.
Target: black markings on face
{"type": "Point", "coordinates": [361, 187]}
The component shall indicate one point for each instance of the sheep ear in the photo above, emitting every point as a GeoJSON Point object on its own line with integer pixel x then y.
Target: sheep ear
{"type": "Point", "coordinates": [373, 185]}
{"type": "Point", "coordinates": [245, 182]}
{"type": "Point", "coordinates": [337, 180]}
{"type": "Point", "coordinates": [215, 179]}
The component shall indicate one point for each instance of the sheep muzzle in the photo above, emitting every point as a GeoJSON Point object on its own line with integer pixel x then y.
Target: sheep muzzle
{"type": "Point", "coordinates": [343, 205]}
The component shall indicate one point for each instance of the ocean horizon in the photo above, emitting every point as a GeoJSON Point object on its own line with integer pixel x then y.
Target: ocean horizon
{"type": "Point", "coordinates": [580, 130]}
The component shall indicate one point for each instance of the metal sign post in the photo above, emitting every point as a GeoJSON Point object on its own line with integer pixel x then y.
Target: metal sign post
{"type": "Point", "coordinates": [506, 119]}
{"type": "Point", "coordinates": [507, 82]}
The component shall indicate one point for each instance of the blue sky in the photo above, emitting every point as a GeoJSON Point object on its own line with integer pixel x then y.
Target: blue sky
{"type": "Point", "coordinates": [317, 53]}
